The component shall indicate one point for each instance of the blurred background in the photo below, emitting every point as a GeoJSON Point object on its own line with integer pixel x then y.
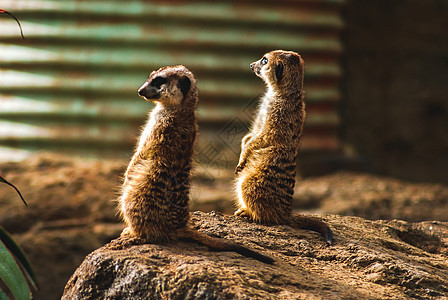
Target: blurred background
{"type": "Point", "coordinates": [376, 82]}
{"type": "Point", "coordinates": [376, 76]}
{"type": "Point", "coordinates": [70, 86]}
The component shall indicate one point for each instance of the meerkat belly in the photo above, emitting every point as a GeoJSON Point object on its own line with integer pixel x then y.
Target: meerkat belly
{"type": "Point", "coordinates": [158, 185]}
{"type": "Point", "coordinates": [162, 197]}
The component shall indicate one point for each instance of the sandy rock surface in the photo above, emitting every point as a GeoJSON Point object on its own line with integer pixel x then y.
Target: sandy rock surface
{"type": "Point", "coordinates": [72, 212]}
{"type": "Point", "coordinates": [370, 260]}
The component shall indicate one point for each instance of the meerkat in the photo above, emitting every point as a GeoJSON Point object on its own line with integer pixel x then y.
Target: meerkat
{"type": "Point", "coordinates": [265, 175]}
{"type": "Point", "coordinates": [155, 192]}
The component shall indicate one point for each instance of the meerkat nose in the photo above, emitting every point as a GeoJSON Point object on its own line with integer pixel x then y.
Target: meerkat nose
{"type": "Point", "coordinates": [141, 91]}
{"type": "Point", "coordinates": [252, 66]}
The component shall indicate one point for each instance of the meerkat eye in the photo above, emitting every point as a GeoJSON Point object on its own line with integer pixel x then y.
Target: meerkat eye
{"type": "Point", "coordinates": [158, 81]}
{"type": "Point", "coordinates": [264, 61]}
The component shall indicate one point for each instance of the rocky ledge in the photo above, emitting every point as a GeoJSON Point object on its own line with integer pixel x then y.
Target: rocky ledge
{"type": "Point", "coordinates": [369, 260]}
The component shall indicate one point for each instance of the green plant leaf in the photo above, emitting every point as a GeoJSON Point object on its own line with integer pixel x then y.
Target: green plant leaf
{"type": "Point", "coordinates": [11, 276]}
{"type": "Point", "coordinates": [17, 252]}
{"type": "Point", "coordinates": [3, 296]}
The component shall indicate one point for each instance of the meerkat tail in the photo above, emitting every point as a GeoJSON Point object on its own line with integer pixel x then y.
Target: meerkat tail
{"type": "Point", "coordinates": [314, 224]}
{"type": "Point", "coordinates": [222, 245]}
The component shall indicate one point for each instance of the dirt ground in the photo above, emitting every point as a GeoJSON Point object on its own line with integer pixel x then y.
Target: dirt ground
{"type": "Point", "coordinates": [72, 208]}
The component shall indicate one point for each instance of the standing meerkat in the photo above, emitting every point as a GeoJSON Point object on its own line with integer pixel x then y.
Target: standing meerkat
{"type": "Point", "coordinates": [155, 192]}
{"type": "Point", "coordinates": [265, 175]}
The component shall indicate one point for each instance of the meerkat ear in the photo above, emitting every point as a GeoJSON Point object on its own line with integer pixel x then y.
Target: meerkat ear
{"type": "Point", "coordinates": [279, 71]}
{"type": "Point", "coordinates": [184, 85]}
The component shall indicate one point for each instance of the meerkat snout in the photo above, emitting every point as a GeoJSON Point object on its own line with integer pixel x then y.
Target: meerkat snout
{"type": "Point", "coordinates": [141, 91]}
{"type": "Point", "coordinates": [255, 68]}
{"type": "Point", "coordinates": [258, 65]}
{"type": "Point", "coordinates": [150, 90]}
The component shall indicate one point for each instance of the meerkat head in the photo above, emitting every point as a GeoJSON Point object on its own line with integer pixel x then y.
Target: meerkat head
{"type": "Point", "coordinates": [280, 68]}
{"type": "Point", "coordinates": [169, 86]}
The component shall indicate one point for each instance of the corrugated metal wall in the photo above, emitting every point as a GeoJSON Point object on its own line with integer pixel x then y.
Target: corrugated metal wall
{"type": "Point", "coordinates": [71, 85]}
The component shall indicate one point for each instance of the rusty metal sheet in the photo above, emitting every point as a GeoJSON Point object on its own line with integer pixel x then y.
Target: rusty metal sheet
{"type": "Point", "coordinates": [70, 86]}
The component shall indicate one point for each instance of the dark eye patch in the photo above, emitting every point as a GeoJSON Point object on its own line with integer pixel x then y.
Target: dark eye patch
{"type": "Point", "coordinates": [158, 81]}
{"type": "Point", "coordinates": [184, 85]}
{"type": "Point", "coordinates": [279, 71]}
{"type": "Point", "coordinates": [264, 61]}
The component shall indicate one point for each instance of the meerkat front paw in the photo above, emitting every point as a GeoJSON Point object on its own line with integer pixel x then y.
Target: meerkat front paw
{"type": "Point", "coordinates": [245, 141]}
{"type": "Point", "coordinates": [238, 169]}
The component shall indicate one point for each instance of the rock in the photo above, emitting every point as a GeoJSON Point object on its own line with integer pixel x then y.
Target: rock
{"type": "Point", "coordinates": [372, 197]}
{"type": "Point", "coordinates": [72, 211]}
{"type": "Point", "coordinates": [370, 260]}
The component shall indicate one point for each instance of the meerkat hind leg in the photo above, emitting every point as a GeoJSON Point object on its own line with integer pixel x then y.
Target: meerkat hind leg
{"type": "Point", "coordinates": [242, 212]}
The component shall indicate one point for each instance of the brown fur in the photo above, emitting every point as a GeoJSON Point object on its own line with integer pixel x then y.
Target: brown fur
{"type": "Point", "coordinates": [155, 192]}
{"type": "Point", "coordinates": [265, 175]}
